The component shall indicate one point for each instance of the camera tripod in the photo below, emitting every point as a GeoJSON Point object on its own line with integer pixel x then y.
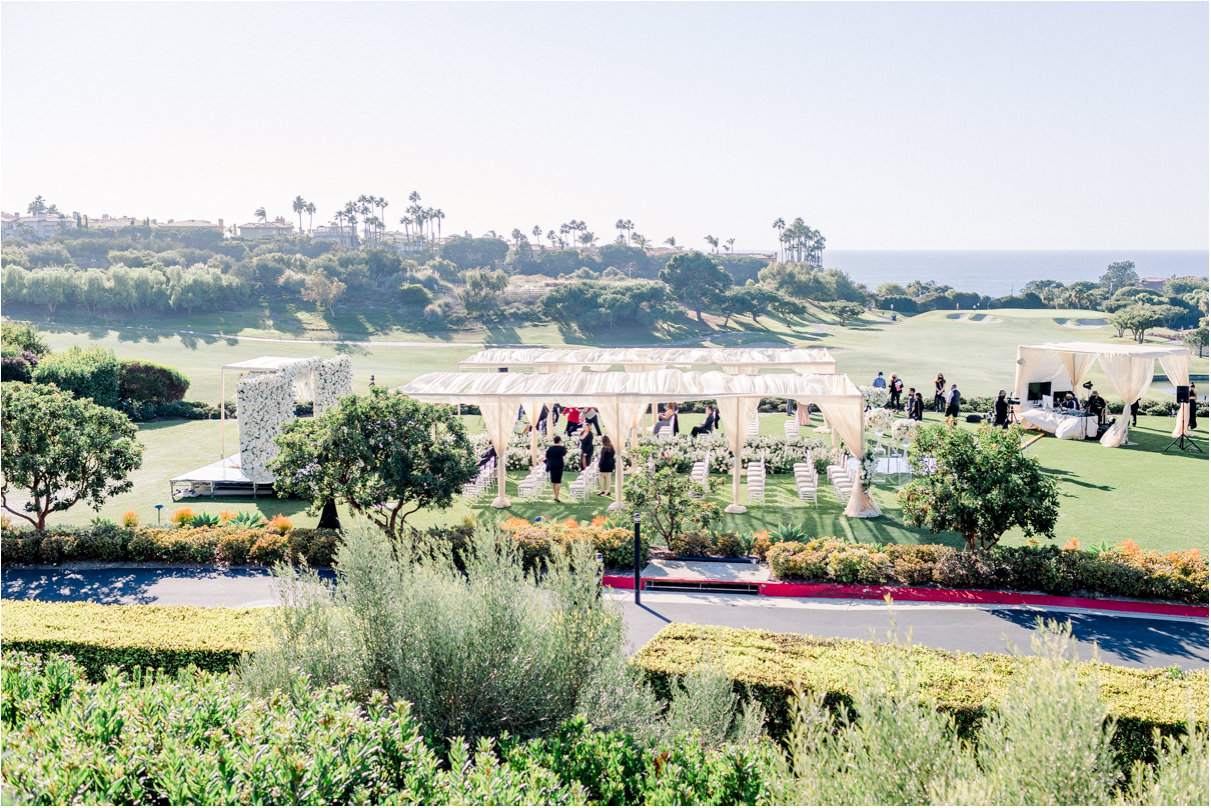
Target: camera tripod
{"type": "Point", "coordinates": [1185, 443]}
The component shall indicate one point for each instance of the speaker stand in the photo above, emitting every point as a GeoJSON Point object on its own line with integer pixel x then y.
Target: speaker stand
{"type": "Point", "coordinates": [1185, 443]}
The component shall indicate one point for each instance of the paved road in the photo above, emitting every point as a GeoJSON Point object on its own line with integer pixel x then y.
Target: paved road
{"type": "Point", "coordinates": [1134, 641]}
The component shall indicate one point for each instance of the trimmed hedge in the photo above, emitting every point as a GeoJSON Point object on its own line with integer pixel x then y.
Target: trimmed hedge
{"type": "Point", "coordinates": [150, 382]}
{"type": "Point", "coordinates": [85, 372]}
{"type": "Point", "coordinates": [222, 544]}
{"type": "Point", "coordinates": [1125, 570]}
{"type": "Point", "coordinates": [771, 667]}
{"type": "Point", "coordinates": [163, 637]}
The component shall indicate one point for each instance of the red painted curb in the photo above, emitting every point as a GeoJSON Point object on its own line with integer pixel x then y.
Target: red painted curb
{"type": "Point", "coordinates": [921, 594]}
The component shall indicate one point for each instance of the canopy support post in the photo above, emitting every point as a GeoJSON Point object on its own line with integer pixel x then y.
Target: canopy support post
{"type": "Point", "coordinates": [738, 434]}
{"type": "Point", "coordinates": [501, 475]}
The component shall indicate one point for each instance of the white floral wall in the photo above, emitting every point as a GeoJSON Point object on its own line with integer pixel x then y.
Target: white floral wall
{"type": "Point", "coordinates": [333, 379]}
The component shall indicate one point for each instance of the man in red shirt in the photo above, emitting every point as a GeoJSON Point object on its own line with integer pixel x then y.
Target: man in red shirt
{"type": "Point", "coordinates": [573, 426]}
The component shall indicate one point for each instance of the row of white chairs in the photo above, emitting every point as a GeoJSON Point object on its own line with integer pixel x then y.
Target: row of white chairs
{"type": "Point", "coordinates": [584, 484]}
{"type": "Point", "coordinates": [791, 429]}
{"type": "Point", "coordinates": [482, 482]}
{"type": "Point", "coordinates": [843, 474]}
{"type": "Point", "coordinates": [532, 483]}
{"type": "Point", "coordinates": [755, 472]}
{"type": "Point", "coordinates": [807, 480]}
{"type": "Point", "coordinates": [700, 472]}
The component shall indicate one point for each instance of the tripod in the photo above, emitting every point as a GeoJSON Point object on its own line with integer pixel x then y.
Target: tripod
{"type": "Point", "coordinates": [1184, 441]}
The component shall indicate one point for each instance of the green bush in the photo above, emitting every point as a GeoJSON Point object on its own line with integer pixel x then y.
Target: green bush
{"type": "Point", "coordinates": [150, 383]}
{"type": "Point", "coordinates": [85, 372]}
{"type": "Point", "coordinates": [770, 668]}
{"type": "Point", "coordinates": [227, 542]}
{"type": "Point", "coordinates": [201, 740]}
{"type": "Point", "coordinates": [1126, 570]}
{"type": "Point", "coordinates": [163, 637]}
{"type": "Point", "coordinates": [192, 410]}
{"type": "Point", "coordinates": [22, 337]}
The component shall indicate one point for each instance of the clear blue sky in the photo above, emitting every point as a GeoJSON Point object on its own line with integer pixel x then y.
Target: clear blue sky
{"type": "Point", "coordinates": [884, 125]}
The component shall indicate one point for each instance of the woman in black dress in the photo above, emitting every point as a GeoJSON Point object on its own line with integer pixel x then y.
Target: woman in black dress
{"type": "Point", "coordinates": [605, 464]}
{"type": "Point", "coordinates": [555, 455]}
{"type": "Point", "coordinates": [918, 408]}
{"type": "Point", "coordinates": [1193, 407]}
{"type": "Point", "coordinates": [586, 446]}
{"type": "Point", "coordinates": [939, 393]}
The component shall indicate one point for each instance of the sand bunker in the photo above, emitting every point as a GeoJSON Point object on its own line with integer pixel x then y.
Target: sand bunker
{"type": "Point", "coordinates": [969, 317]}
{"type": "Point", "coordinates": [1081, 323]}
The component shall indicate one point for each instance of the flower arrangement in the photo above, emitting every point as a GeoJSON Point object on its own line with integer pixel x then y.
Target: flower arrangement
{"type": "Point", "coordinates": [904, 428]}
{"type": "Point", "coordinates": [867, 468]}
{"type": "Point", "coordinates": [873, 397]}
{"type": "Point", "coordinates": [264, 401]}
{"type": "Point", "coordinates": [879, 419]}
{"type": "Point", "coordinates": [333, 379]}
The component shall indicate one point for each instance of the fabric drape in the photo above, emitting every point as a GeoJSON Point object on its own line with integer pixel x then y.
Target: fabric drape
{"type": "Point", "coordinates": [1130, 376]}
{"type": "Point", "coordinates": [1177, 368]}
{"type": "Point", "coordinates": [848, 424]}
{"type": "Point", "coordinates": [499, 416]}
{"type": "Point", "coordinates": [1029, 360]}
{"type": "Point", "coordinates": [737, 413]}
{"type": "Point", "coordinates": [533, 408]}
{"type": "Point", "coordinates": [1077, 365]}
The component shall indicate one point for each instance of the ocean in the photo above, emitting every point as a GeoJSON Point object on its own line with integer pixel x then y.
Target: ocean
{"type": "Point", "coordinates": [997, 273]}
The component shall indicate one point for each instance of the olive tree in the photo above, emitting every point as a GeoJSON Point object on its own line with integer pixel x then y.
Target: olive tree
{"type": "Point", "coordinates": [978, 484]}
{"type": "Point", "coordinates": [844, 311]}
{"type": "Point", "coordinates": [59, 450]}
{"type": "Point", "coordinates": [383, 454]}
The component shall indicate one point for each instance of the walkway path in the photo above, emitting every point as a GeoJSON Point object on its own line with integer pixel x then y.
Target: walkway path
{"type": "Point", "coordinates": [1134, 641]}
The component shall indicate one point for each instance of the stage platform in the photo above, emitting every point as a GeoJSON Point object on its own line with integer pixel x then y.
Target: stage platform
{"type": "Point", "coordinates": [223, 478]}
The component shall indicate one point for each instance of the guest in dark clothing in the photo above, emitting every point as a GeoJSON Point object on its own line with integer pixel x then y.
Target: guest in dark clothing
{"type": "Point", "coordinates": [952, 405]}
{"type": "Point", "coordinates": [1193, 407]}
{"type": "Point", "coordinates": [1097, 405]}
{"type": "Point", "coordinates": [586, 446]}
{"type": "Point", "coordinates": [542, 418]}
{"type": "Point", "coordinates": [939, 393]}
{"type": "Point", "coordinates": [1135, 411]}
{"type": "Point", "coordinates": [592, 418]}
{"type": "Point", "coordinates": [487, 456]}
{"type": "Point", "coordinates": [918, 408]}
{"type": "Point", "coordinates": [605, 464]}
{"type": "Point", "coordinates": [708, 424]}
{"type": "Point", "coordinates": [896, 388]}
{"type": "Point", "coordinates": [573, 426]}
{"type": "Point", "coordinates": [555, 455]}
{"type": "Point", "coordinates": [911, 403]}
{"type": "Point", "coordinates": [1000, 410]}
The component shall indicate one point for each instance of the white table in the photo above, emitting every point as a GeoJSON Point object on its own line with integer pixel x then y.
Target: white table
{"type": "Point", "coordinates": [1065, 424]}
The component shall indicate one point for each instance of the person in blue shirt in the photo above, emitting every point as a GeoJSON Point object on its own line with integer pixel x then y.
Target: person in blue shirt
{"type": "Point", "coordinates": [879, 381]}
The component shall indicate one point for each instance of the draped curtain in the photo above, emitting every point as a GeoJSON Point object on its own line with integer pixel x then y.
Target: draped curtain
{"type": "Point", "coordinates": [499, 416]}
{"type": "Point", "coordinates": [1131, 376]}
{"type": "Point", "coordinates": [737, 412]}
{"type": "Point", "coordinates": [1077, 365]}
{"type": "Point", "coordinates": [847, 422]}
{"type": "Point", "coordinates": [1029, 360]}
{"type": "Point", "coordinates": [1177, 368]}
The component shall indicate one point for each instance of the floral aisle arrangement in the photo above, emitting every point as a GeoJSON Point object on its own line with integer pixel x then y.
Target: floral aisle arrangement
{"type": "Point", "coordinates": [333, 379]}
{"type": "Point", "coordinates": [874, 396]}
{"type": "Point", "coordinates": [903, 429]}
{"type": "Point", "coordinates": [264, 401]}
{"type": "Point", "coordinates": [879, 420]}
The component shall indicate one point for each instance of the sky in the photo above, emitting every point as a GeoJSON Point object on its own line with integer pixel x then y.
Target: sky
{"type": "Point", "coordinates": [956, 125]}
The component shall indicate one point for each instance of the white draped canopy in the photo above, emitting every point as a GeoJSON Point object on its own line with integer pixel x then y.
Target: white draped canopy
{"type": "Point", "coordinates": [1128, 367]}
{"type": "Point", "coordinates": [621, 398]}
{"type": "Point", "coordinates": [730, 360]}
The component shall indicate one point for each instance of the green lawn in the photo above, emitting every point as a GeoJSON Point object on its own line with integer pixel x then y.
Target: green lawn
{"type": "Point", "coordinates": [1158, 499]}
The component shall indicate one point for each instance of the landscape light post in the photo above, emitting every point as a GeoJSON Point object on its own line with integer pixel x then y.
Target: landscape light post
{"type": "Point", "coordinates": [159, 508]}
{"type": "Point", "coordinates": [638, 583]}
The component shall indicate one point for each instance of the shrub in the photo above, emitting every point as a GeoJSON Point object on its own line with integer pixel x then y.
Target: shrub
{"type": "Point", "coordinates": [729, 545]}
{"type": "Point", "coordinates": [770, 668]}
{"type": "Point", "coordinates": [150, 383]}
{"type": "Point", "coordinates": [23, 337]}
{"type": "Point", "coordinates": [182, 516]}
{"type": "Point", "coordinates": [536, 541]}
{"type": "Point", "coordinates": [85, 372]}
{"type": "Point", "coordinates": [280, 525]}
{"type": "Point", "coordinates": [130, 519]}
{"type": "Point", "coordinates": [162, 637]}
{"type": "Point", "coordinates": [14, 368]}
{"type": "Point", "coordinates": [694, 545]}
{"type": "Point", "coordinates": [269, 548]}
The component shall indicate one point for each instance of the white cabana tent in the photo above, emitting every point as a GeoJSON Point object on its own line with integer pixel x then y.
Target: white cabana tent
{"type": "Point", "coordinates": [261, 364]}
{"type": "Point", "coordinates": [621, 398]}
{"type": "Point", "coordinates": [729, 360]}
{"type": "Point", "coordinates": [1129, 368]}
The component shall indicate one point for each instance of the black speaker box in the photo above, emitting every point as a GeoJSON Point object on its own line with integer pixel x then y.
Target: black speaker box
{"type": "Point", "coordinates": [974, 418]}
{"type": "Point", "coordinates": [1183, 394]}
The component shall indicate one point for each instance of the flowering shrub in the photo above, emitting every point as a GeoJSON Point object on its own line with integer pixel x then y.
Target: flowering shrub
{"type": "Point", "coordinates": [1125, 570]}
{"type": "Point", "coordinates": [265, 401]}
{"type": "Point", "coordinates": [280, 525]}
{"type": "Point", "coordinates": [130, 519]}
{"type": "Point", "coordinates": [536, 540]}
{"type": "Point", "coordinates": [222, 544]}
{"type": "Point", "coordinates": [182, 516]}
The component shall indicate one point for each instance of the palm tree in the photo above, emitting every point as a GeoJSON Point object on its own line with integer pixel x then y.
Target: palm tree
{"type": "Point", "coordinates": [517, 236]}
{"type": "Point", "coordinates": [298, 206]}
{"type": "Point", "coordinates": [587, 238]}
{"type": "Point", "coordinates": [620, 226]}
{"type": "Point", "coordinates": [37, 207]}
{"type": "Point", "coordinates": [671, 241]}
{"type": "Point", "coordinates": [714, 242]}
{"type": "Point", "coordinates": [779, 225]}
{"type": "Point", "coordinates": [310, 209]}
{"type": "Point", "coordinates": [564, 229]}
{"type": "Point", "coordinates": [261, 214]}
{"type": "Point", "coordinates": [438, 215]}
{"type": "Point", "coordinates": [730, 242]}
{"type": "Point", "coordinates": [639, 240]}
{"type": "Point", "coordinates": [630, 227]}
{"type": "Point", "coordinates": [340, 225]}
{"type": "Point", "coordinates": [406, 221]}
{"type": "Point", "coordinates": [537, 233]}
{"type": "Point", "coordinates": [53, 210]}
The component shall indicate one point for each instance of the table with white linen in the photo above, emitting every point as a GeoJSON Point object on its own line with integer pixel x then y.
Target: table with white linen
{"type": "Point", "coordinates": [1066, 424]}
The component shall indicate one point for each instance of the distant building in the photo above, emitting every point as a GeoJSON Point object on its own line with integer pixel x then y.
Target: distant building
{"type": "Point", "coordinates": [278, 227]}
{"type": "Point", "coordinates": [1155, 284]}
{"type": "Point", "coordinates": [343, 236]}
{"type": "Point", "coordinates": [35, 227]}
{"type": "Point", "coordinates": [196, 224]}
{"type": "Point", "coordinates": [107, 222]}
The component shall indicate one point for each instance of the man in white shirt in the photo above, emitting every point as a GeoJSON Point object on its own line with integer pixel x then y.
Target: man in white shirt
{"type": "Point", "coordinates": [952, 405]}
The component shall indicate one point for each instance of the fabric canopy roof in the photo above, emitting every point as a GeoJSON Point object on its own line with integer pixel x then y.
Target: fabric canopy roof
{"type": "Point", "coordinates": [621, 398]}
{"type": "Point", "coordinates": [1128, 367]}
{"type": "Point", "coordinates": [267, 363]}
{"type": "Point", "coordinates": [733, 360]}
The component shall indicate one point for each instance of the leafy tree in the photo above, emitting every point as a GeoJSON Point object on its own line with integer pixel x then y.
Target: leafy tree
{"type": "Point", "coordinates": [978, 484]}
{"type": "Point", "coordinates": [472, 253]}
{"type": "Point", "coordinates": [1118, 275]}
{"type": "Point", "coordinates": [669, 504]}
{"type": "Point", "coordinates": [592, 306]}
{"type": "Point", "coordinates": [150, 382]}
{"type": "Point", "coordinates": [483, 290]}
{"type": "Point", "coordinates": [1049, 291]}
{"type": "Point", "coordinates": [62, 450]}
{"type": "Point", "coordinates": [795, 280]}
{"type": "Point", "coordinates": [1081, 295]}
{"type": "Point", "coordinates": [84, 372]}
{"type": "Point", "coordinates": [413, 294]}
{"type": "Point", "coordinates": [383, 454]}
{"type": "Point", "coordinates": [891, 290]}
{"type": "Point", "coordinates": [322, 290]}
{"type": "Point", "coordinates": [753, 300]}
{"type": "Point", "coordinates": [23, 337]}
{"type": "Point", "coordinates": [1137, 319]}
{"type": "Point", "coordinates": [844, 311]}
{"type": "Point", "coordinates": [1196, 340]}
{"type": "Point", "coordinates": [695, 280]}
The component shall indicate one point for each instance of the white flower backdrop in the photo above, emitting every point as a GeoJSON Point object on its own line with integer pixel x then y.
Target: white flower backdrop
{"type": "Point", "coordinates": [333, 379]}
{"type": "Point", "coordinates": [264, 402]}
{"type": "Point", "coordinates": [874, 396]}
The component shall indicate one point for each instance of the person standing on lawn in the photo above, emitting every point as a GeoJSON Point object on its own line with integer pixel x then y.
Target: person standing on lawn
{"type": "Point", "coordinates": [939, 393]}
{"type": "Point", "coordinates": [895, 388]}
{"type": "Point", "coordinates": [573, 421]}
{"type": "Point", "coordinates": [586, 446]}
{"type": "Point", "coordinates": [952, 405]}
{"type": "Point", "coordinates": [605, 465]}
{"type": "Point", "coordinates": [555, 455]}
